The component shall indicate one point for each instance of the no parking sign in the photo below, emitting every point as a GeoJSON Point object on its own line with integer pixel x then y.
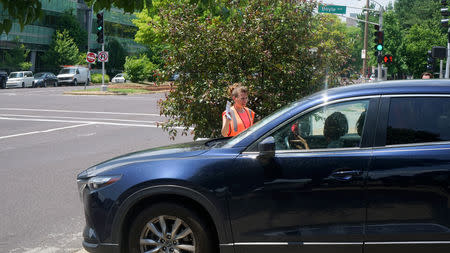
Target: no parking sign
{"type": "Point", "coordinates": [103, 56]}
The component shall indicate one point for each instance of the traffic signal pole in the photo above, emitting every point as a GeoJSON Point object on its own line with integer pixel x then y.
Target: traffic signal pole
{"type": "Point", "coordinates": [380, 64]}
{"type": "Point", "coordinates": [101, 40]}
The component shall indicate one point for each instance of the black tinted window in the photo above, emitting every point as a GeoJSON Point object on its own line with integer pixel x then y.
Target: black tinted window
{"type": "Point", "coordinates": [418, 120]}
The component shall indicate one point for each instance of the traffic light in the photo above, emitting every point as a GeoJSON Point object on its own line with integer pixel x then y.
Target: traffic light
{"type": "Point", "coordinates": [388, 59]}
{"type": "Point", "coordinates": [379, 40]}
{"type": "Point", "coordinates": [430, 61]}
{"type": "Point", "coordinates": [100, 28]}
{"type": "Point", "coordinates": [445, 13]}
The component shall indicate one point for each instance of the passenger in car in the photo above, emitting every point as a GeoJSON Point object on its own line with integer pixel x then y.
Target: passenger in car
{"type": "Point", "coordinates": [336, 126]}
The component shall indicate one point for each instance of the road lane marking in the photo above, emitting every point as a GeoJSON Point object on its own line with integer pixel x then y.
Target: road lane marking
{"type": "Point", "coordinates": [60, 117]}
{"type": "Point", "coordinates": [88, 112]}
{"type": "Point", "coordinates": [82, 122]}
{"type": "Point", "coordinates": [90, 122]}
{"type": "Point", "coordinates": [43, 131]}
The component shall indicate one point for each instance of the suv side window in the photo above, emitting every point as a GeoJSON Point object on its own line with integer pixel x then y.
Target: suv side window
{"type": "Point", "coordinates": [418, 120]}
{"type": "Point", "coordinates": [337, 125]}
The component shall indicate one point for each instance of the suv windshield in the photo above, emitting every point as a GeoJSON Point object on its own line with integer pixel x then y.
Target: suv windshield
{"type": "Point", "coordinates": [67, 71]}
{"type": "Point", "coordinates": [15, 75]}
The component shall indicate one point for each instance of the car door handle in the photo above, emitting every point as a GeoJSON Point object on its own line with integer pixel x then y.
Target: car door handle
{"type": "Point", "coordinates": [345, 175]}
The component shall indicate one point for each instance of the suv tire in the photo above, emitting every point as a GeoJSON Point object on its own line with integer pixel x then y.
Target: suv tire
{"type": "Point", "coordinates": [169, 227]}
{"type": "Point", "coordinates": [75, 83]}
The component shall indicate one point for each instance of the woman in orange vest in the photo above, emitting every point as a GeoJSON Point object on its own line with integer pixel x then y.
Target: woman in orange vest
{"type": "Point", "coordinates": [238, 117]}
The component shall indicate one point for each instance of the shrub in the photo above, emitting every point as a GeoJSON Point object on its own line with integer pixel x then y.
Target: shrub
{"type": "Point", "coordinates": [139, 68]}
{"type": "Point", "coordinates": [275, 48]}
{"type": "Point", "coordinates": [97, 78]}
{"type": "Point", "coordinates": [25, 65]}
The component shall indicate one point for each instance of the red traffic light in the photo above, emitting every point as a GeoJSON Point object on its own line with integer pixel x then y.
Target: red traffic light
{"type": "Point", "coordinates": [388, 58]}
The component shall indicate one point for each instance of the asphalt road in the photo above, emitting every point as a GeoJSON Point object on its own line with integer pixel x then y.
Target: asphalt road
{"type": "Point", "coordinates": [46, 139]}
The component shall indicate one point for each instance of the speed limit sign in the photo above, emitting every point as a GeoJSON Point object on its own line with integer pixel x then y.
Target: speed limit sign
{"type": "Point", "coordinates": [103, 56]}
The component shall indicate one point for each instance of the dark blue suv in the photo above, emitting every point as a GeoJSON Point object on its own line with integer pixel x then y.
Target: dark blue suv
{"type": "Point", "coordinates": [363, 168]}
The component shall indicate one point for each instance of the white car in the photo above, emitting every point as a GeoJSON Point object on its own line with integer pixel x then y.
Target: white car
{"type": "Point", "coordinates": [119, 78]}
{"type": "Point", "coordinates": [20, 79]}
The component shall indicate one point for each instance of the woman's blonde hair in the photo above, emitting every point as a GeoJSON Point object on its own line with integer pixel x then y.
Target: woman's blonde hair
{"type": "Point", "coordinates": [235, 89]}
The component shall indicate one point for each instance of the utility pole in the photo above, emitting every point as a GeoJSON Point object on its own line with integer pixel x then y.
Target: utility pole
{"type": "Point", "coordinates": [366, 28]}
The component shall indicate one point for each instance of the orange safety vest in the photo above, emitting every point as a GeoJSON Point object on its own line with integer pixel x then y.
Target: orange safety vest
{"type": "Point", "coordinates": [237, 125]}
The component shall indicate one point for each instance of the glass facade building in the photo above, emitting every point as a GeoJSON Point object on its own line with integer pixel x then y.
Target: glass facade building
{"type": "Point", "coordinates": [37, 37]}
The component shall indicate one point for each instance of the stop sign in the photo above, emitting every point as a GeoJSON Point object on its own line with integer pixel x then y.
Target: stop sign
{"type": "Point", "coordinates": [90, 57]}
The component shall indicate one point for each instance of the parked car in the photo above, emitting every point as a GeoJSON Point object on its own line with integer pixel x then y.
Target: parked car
{"type": "Point", "coordinates": [119, 78]}
{"type": "Point", "coordinates": [74, 75]}
{"type": "Point", "coordinates": [3, 79]}
{"type": "Point", "coordinates": [44, 79]}
{"type": "Point", "coordinates": [360, 168]}
{"type": "Point", "coordinates": [20, 79]}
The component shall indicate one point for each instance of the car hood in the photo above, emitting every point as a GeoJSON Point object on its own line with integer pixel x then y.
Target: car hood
{"type": "Point", "coordinates": [167, 152]}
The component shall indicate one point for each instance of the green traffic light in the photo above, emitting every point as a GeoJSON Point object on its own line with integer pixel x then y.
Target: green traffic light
{"type": "Point", "coordinates": [100, 28]}
{"type": "Point", "coordinates": [379, 47]}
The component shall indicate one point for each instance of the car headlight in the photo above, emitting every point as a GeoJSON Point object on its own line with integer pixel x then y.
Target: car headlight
{"type": "Point", "coordinates": [95, 183]}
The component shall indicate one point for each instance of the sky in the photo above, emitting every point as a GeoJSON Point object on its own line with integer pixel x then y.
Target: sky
{"type": "Point", "coordinates": [354, 3]}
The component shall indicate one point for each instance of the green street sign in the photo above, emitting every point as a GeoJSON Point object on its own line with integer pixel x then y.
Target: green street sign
{"type": "Point", "coordinates": [332, 9]}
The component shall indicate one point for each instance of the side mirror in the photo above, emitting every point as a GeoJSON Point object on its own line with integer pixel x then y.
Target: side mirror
{"type": "Point", "coordinates": [266, 147]}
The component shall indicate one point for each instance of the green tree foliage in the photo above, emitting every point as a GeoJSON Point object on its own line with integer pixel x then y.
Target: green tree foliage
{"type": "Point", "coordinates": [68, 21]}
{"type": "Point", "coordinates": [25, 11]}
{"type": "Point", "coordinates": [15, 58]}
{"type": "Point", "coordinates": [139, 68]}
{"type": "Point", "coordinates": [414, 12]}
{"type": "Point", "coordinates": [393, 44]}
{"type": "Point", "coordinates": [418, 41]}
{"type": "Point", "coordinates": [355, 62]}
{"type": "Point", "coordinates": [276, 48]}
{"type": "Point", "coordinates": [117, 55]}
{"type": "Point", "coordinates": [63, 51]}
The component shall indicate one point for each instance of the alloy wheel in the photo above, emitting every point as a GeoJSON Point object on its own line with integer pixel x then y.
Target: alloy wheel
{"type": "Point", "coordinates": [167, 234]}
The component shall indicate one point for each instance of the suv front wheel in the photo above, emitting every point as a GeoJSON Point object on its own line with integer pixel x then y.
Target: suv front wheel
{"type": "Point", "coordinates": [169, 227]}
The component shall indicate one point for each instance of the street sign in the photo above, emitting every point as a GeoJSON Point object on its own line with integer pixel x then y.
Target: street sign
{"type": "Point", "coordinates": [337, 9]}
{"type": "Point", "coordinates": [103, 56]}
{"type": "Point", "coordinates": [90, 57]}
